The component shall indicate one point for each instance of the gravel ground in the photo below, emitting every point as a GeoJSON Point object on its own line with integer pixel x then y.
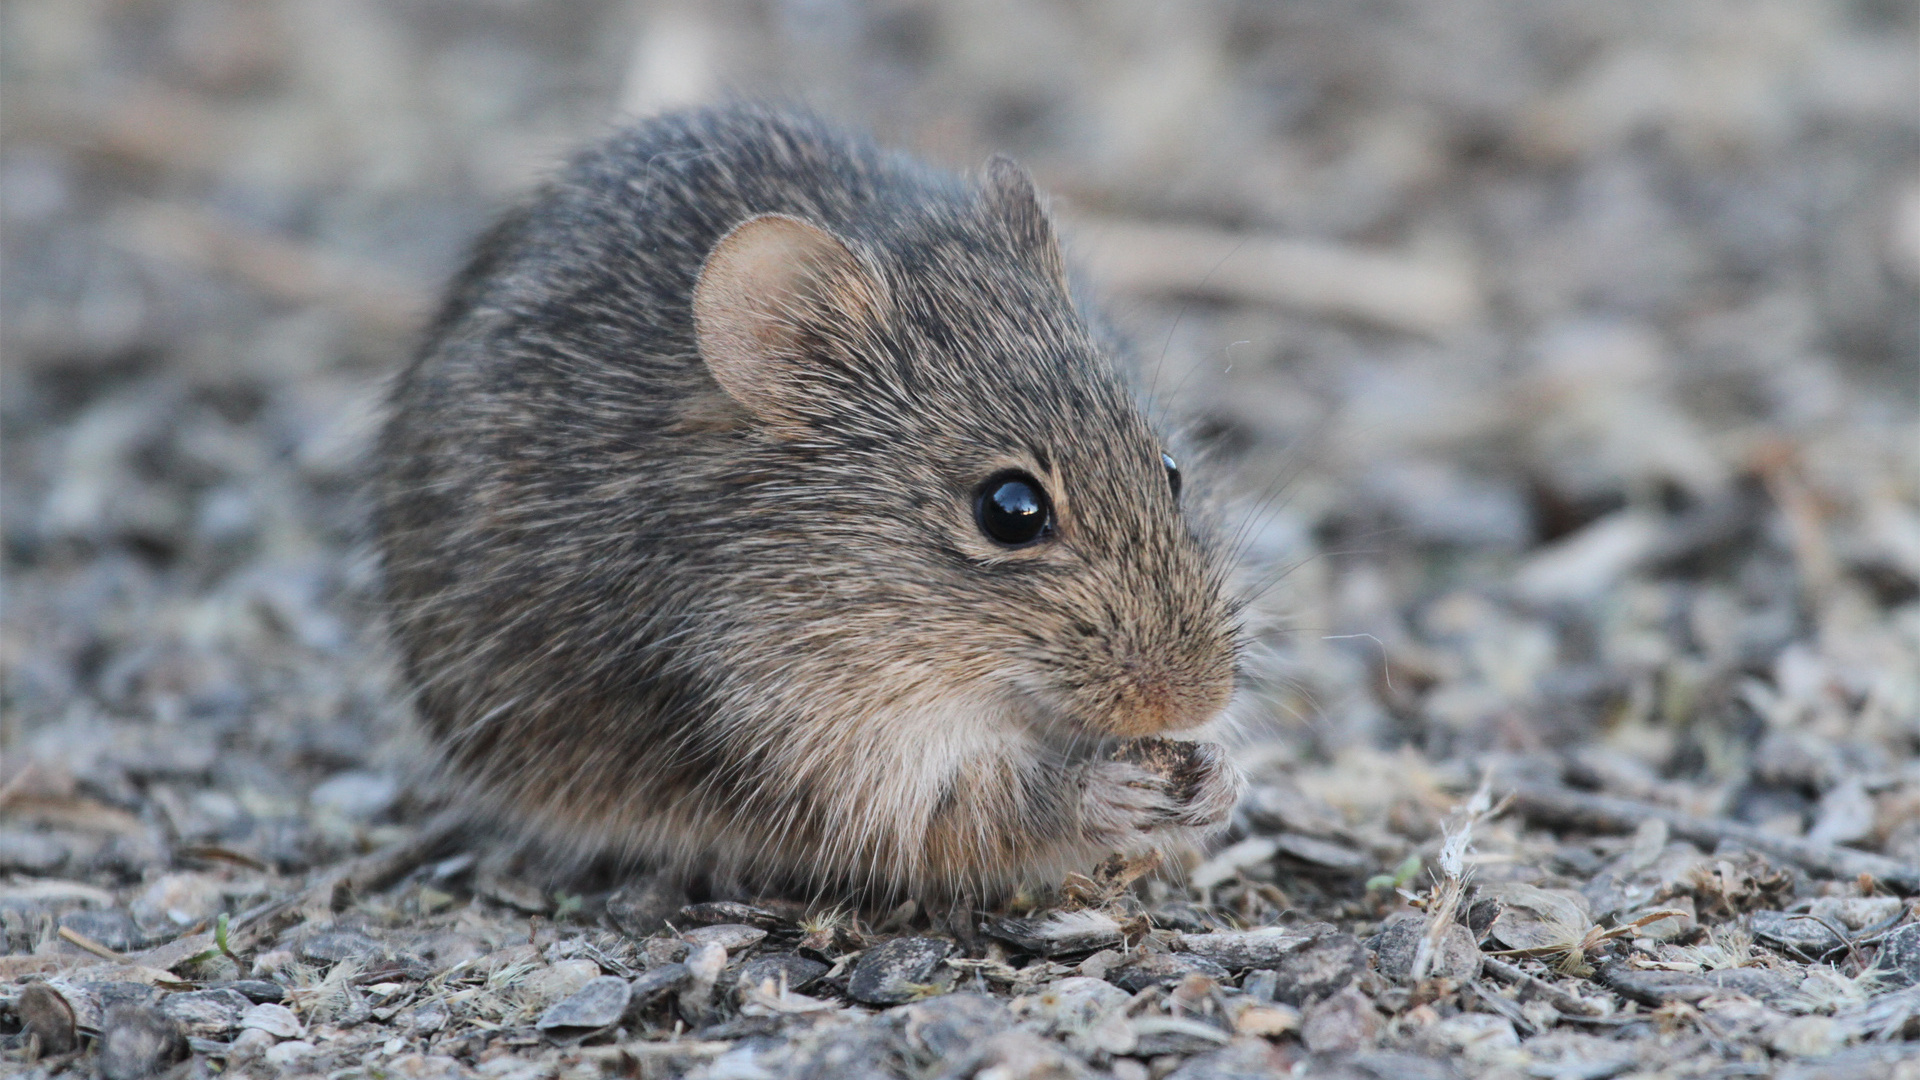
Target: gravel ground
{"type": "Point", "coordinates": [1567, 356]}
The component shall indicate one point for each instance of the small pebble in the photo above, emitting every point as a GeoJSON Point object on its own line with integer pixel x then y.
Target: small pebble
{"type": "Point", "coordinates": [898, 970]}
{"type": "Point", "coordinates": [289, 1055]}
{"type": "Point", "coordinates": [642, 909]}
{"type": "Point", "coordinates": [596, 1005]}
{"type": "Point", "coordinates": [732, 937]}
{"type": "Point", "coordinates": [276, 1020]}
{"type": "Point", "coordinates": [1397, 947]}
{"type": "Point", "coordinates": [207, 1014]}
{"type": "Point", "coordinates": [1343, 1023]}
{"type": "Point", "coordinates": [792, 970]}
{"type": "Point", "coordinates": [44, 1012]}
{"type": "Point", "coordinates": [1899, 957]}
{"type": "Point", "coordinates": [1158, 969]}
{"type": "Point", "coordinates": [137, 1041]}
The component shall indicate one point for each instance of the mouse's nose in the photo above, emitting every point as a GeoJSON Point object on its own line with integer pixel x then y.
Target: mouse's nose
{"type": "Point", "coordinates": [1150, 698]}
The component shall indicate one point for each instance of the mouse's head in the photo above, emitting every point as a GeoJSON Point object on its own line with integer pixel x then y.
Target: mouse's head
{"type": "Point", "coordinates": [975, 508]}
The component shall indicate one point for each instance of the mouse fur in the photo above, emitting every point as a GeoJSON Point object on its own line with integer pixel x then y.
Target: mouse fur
{"type": "Point", "coordinates": [678, 512]}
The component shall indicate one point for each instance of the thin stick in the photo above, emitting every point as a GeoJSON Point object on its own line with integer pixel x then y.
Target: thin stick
{"type": "Point", "coordinates": [1606, 813]}
{"type": "Point", "coordinates": [656, 1050]}
{"type": "Point", "coordinates": [1406, 292]}
{"type": "Point", "coordinates": [75, 937]}
{"type": "Point", "coordinates": [1571, 1004]}
{"type": "Point", "coordinates": [368, 873]}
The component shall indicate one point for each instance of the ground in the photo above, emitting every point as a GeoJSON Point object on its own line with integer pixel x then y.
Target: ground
{"type": "Point", "coordinates": [1565, 358]}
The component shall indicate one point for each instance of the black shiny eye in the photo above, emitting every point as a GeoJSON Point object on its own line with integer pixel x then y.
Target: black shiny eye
{"type": "Point", "coordinates": [1173, 474]}
{"type": "Point", "coordinates": [1012, 509]}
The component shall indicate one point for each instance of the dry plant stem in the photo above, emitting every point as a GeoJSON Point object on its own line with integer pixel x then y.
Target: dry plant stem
{"type": "Point", "coordinates": [1551, 994]}
{"type": "Point", "coordinates": [283, 268]}
{"type": "Point", "coordinates": [368, 873]}
{"type": "Point", "coordinates": [1606, 813]}
{"type": "Point", "coordinates": [80, 940]}
{"type": "Point", "coordinates": [647, 1050]}
{"type": "Point", "coordinates": [1388, 289]}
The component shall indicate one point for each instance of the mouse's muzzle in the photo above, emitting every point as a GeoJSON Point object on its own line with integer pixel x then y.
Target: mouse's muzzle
{"type": "Point", "coordinates": [1147, 696]}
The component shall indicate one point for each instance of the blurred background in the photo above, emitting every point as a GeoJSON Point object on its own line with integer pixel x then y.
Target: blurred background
{"type": "Point", "coordinates": [1565, 354]}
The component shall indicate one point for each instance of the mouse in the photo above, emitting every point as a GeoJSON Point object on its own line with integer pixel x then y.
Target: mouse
{"type": "Point", "coordinates": [774, 511]}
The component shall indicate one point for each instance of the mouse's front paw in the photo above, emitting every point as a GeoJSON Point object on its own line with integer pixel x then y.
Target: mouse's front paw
{"type": "Point", "coordinates": [1120, 803]}
{"type": "Point", "coordinates": [1197, 777]}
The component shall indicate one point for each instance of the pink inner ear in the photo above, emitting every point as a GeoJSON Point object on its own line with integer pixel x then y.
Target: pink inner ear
{"type": "Point", "coordinates": [759, 288]}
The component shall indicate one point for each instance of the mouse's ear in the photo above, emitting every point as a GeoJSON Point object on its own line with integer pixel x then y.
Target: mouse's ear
{"type": "Point", "coordinates": [769, 285]}
{"type": "Point", "coordinates": [1011, 195]}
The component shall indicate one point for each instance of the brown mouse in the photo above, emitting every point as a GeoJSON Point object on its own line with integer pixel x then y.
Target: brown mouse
{"type": "Point", "coordinates": [762, 508]}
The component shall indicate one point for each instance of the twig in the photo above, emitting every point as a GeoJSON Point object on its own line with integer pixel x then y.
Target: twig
{"type": "Point", "coordinates": [1424, 296]}
{"type": "Point", "coordinates": [1571, 1004]}
{"type": "Point", "coordinates": [75, 937]}
{"type": "Point", "coordinates": [369, 873]}
{"type": "Point", "coordinates": [656, 1050]}
{"type": "Point", "coordinates": [1606, 813]}
{"type": "Point", "coordinates": [282, 267]}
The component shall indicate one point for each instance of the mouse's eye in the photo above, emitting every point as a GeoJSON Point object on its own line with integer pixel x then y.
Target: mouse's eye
{"type": "Point", "coordinates": [1173, 473]}
{"type": "Point", "coordinates": [1012, 509]}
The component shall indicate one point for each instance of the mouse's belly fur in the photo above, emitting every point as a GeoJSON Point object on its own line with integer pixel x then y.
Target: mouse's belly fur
{"type": "Point", "coordinates": [935, 799]}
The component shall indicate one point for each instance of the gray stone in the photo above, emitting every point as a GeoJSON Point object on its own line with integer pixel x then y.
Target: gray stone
{"type": "Point", "coordinates": [255, 990]}
{"type": "Point", "coordinates": [1250, 1059]}
{"type": "Point", "coordinates": [1323, 853]}
{"type": "Point", "coordinates": [333, 946]}
{"type": "Point", "coordinates": [1182, 1035]}
{"type": "Point", "coordinates": [356, 795]}
{"type": "Point", "coordinates": [113, 928]}
{"type": "Point", "coordinates": [1858, 912]}
{"type": "Point", "coordinates": [1238, 950]}
{"type": "Point", "coordinates": [715, 912]}
{"type": "Point", "coordinates": [655, 951]}
{"type": "Point", "coordinates": [732, 937]}
{"type": "Point", "coordinates": [1397, 946]}
{"type": "Point", "coordinates": [289, 1056]}
{"type": "Point", "coordinates": [1805, 937]}
{"type": "Point", "coordinates": [1331, 963]}
{"type": "Point", "coordinates": [1398, 1065]}
{"type": "Point", "coordinates": [206, 1014]}
{"type": "Point", "coordinates": [1899, 957]}
{"type": "Point", "coordinates": [427, 1017]}
{"type": "Point", "coordinates": [654, 982]}
{"type": "Point", "coordinates": [1156, 969]}
{"type": "Point", "coordinates": [848, 1052]}
{"type": "Point", "coordinates": [597, 1005]}
{"type": "Point", "coordinates": [643, 908]}
{"type": "Point", "coordinates": [951, 1026]}
{"type": "Point", "coordinates": [1342, 1023]}
{"type": "Point", "coordinates": [1261, 985]}
{"type": "Point", "coordinates": [897, 971]}
{"type": "Point", "coordinates": [45, 1012]}
{"type": "Point", "coordinates": [137, 1041]}
{"type": "Point", "coordinates": [1060, 934]}
{"type": "Point", "coordinates": [276, 1020]}
{"type": "Point", "coordinates": [1660, 987]}
{"type": "Point", "coordinates": [796, 972]}
{"type": "Point", "coordinates": [31, 852]}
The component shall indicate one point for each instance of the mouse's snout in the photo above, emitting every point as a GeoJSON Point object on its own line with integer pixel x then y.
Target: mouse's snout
{"type": "Point", "coordinates": [1147, 695]}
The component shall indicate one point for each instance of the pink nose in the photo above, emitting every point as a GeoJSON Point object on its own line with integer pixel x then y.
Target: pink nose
{"type": "Point", "coordinates": [1152, 703]}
